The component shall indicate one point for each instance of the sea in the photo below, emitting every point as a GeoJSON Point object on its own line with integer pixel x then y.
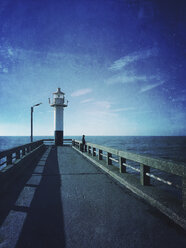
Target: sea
{"type": "Point", "coordinates": [166, 147]}
{"type": "Point", "coordinates": [172, 148]}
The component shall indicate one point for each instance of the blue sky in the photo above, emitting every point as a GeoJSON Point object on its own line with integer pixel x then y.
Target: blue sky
{"type": "Point", "coordinates": [121, 64]}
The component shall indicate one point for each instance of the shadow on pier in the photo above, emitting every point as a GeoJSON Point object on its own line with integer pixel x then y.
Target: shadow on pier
{"type": "Point", "coordinates": [37, 195]}
{"type": "Point", "coordinates": [44, 225]}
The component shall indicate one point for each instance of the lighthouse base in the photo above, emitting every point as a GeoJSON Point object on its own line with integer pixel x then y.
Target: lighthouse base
{"type": "Point", "coordinates": [58, 138]}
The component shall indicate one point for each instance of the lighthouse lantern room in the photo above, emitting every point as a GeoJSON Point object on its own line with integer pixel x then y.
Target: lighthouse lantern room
{"type": "Point", "coordinates": [58, 103]}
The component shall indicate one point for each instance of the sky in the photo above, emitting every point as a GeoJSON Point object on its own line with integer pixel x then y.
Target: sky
{"type": "Point", "coordinates": [120, 63]}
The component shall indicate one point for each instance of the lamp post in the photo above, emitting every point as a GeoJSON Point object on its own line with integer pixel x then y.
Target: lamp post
{"type": "Point", "coordinates": [32, 110]}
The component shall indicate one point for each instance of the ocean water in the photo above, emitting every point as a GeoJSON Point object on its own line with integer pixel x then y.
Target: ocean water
{"type": "Point", "coordinates": [166, 147]}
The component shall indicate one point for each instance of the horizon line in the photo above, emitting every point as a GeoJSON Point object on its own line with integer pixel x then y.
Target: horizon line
{"type": "Point", "coordinates": [146, 135]}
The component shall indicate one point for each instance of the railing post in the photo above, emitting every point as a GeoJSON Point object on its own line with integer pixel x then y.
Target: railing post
{"type": "Point", "coordinates": [122, 168]}
{"type": "Point", "coordinates": [93, 151]}
{"type": "Point", "coordinates": [184, 189]}
{"type": "Point", "coordinates": [100, 157]}
{"type": "Point", "coordinates": [85, 148]}
{"type": "Point", "coordinates": [109, 161]}
{"type": "Point", "coordinates": [73, 143]}
{"type": "Point", "coordinates": [144, 179]}
{"type": "Point", "coordinates": [9, 159]}
{"type": "Point", "coordinates": [89, 152]}
{"type": "Point", "coordinates": [81, 147]}
{"type": "Point", "coordinates": [23, 151]}
{"type": "Point", "coordinates": [18, 154]}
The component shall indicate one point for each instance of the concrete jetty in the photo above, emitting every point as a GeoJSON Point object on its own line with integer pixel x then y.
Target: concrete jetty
{"type": "Point", "coordinates": [61, 199]}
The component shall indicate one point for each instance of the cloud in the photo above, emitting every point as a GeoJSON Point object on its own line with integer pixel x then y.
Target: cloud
{"type": "Point", "coordinates": [125, 78]}
{"type": "Point", "coordinates": [122, 62]}
{"type": "Point", "coordinates": [10, 52]}
{"type": "Point", "coordinates": [103, 104]}
{"type": "Point", "coordinates": [33, 59]}
{"type": "Point", "coordinates": [150, 87]}
{"type": "Point", "coordinates": [102, 109]}
{"type": "Point", "coordinates": [5, 70]}
{"type": "Point", "coordinates": [87, 100]}
{"type": "Point", "coordinates": [101, 114]}
{"type": "Point", "coordinates": [179, 99]}
{"type": "Point", "coordinates": [81, 92]}
{"type": "Point", "coordinates": [123, 109]}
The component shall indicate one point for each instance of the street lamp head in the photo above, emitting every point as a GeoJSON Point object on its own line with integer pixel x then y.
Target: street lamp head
{"type": "Point", "coordinates": [37, 104]}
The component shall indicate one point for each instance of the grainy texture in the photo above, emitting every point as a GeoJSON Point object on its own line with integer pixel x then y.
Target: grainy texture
{"type": "Point", "coordinates": [72, 203]}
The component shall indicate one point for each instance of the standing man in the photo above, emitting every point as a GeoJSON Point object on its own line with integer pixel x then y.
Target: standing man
{"type": "Point", "coordinates": [83, 143]}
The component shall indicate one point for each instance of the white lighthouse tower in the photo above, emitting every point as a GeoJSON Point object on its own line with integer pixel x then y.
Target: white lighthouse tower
{"type": "Point", "coordinates": [58, 103]}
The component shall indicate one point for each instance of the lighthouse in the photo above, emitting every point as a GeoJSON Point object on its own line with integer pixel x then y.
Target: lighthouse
{"type": "Point", "coordinates": [58, 103]}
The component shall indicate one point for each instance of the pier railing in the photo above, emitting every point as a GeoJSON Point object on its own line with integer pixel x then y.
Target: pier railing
{"type": "Point", "coordinates": [123, 158]}
{"type": "Point", "coordinates": [51, 141]}
{"type": "Point", "coordinates": [9, 156]}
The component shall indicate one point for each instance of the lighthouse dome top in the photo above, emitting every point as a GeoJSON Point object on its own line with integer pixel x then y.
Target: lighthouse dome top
{"type": "Point", "coordinates": [58, 92]}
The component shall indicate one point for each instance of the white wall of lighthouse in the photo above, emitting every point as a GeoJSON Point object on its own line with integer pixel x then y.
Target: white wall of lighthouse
{"type": "Point", "coordinates": [58, 103]}
{"type": "Point", "coordinates": [58, 118]}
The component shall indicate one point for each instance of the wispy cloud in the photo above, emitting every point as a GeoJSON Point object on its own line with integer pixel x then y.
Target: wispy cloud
{"type": "Point", "coordinates": [101, 114]}
{"type": "Point", "coordinates": [132, 57]}
{"type": "Point", "coordinates": [13, 56]}
{"type": "Point", "coordinates": [150, 86]}
{"type": "Point", "coordinates": [151, 81]}
{"type": "Point", "coordinates": [102, 109]}
{"type": "Point", "coordinates": [126, 78]}
{"type": "Point", "coordinates": [123, 109]}
{"type": "Point", "coordinates": [87, 100]}
{"type": "Point", "coordinates": [103, 105]}
{"type": "Point", "coordinates": [179, 99]}
{"type": "Point", "coordinates": [105, 108]}
{"type": "Point", "coordinates": [81, 92]}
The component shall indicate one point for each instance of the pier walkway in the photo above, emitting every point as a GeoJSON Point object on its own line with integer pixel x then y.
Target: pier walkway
{"type": "Point", "coordinates": [63, 200]}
